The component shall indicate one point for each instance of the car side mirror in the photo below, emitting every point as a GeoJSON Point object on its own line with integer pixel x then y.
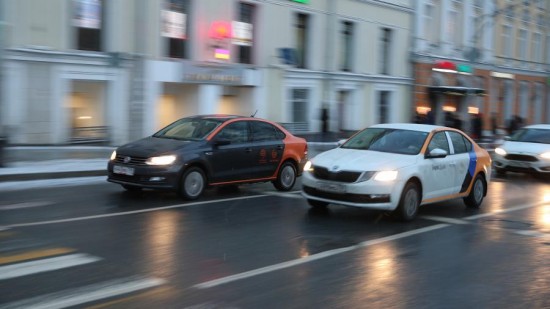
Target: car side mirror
{"type": "Point", "coordinates": [220, 141]}
{"type": "Point", "coordinates": [436, 153]}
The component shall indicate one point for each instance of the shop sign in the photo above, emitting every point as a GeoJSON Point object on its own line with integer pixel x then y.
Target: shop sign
{"type": "Point", "coordinates": [445, 66]}
{"type": "Point", "coordinates": [87, 14]}
{"type": "Point", "coordinates": [301, 1]}
{"type": "Point", "coordinates": [220, 34]}
{"type": "Point", "coordinates": [502, 75]}
{"type": "Point", "coordinates": [242, 33]}
{"type": "Point", "coordinates": [212, 75]}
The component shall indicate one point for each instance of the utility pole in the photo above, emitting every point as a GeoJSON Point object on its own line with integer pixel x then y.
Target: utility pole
{"type": "Point", "coordinates": [3, 138]}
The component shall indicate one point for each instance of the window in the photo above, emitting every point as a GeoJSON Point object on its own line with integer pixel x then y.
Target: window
{"type": "Point", "coordinates": [506, 41]}
{"type": "Point", "coordinates": [299, 105]}
{"type": "Point", "coordinates": [383, 107]}
{"type": "Point", "coordinates": [460, 144]}
{"type": "Point", "coordinates": [385, 50]}
{"type": "Point", "coordinates": [236, 132]}
{"type": "Point", "coordinates": [429, 22]}
{"type": "Point", "coordinates": [522, 44]}
{"type": "Point", "coordinates": [243, 33]}
{"type": "Point", "coordinates": [262, 131]}
{"type": "Point", "coordinates": [537, 48]}
{"type": "Point", "coordinates": [88, 20]}
{"type": "Point", "coordinates": [174, 27]}
{"type": "Point", "coordinates": [347, 46]}
{"type": "Point", "coordinates": [301, 39]}
{"type": "Point", "coordinates": [439, 140]}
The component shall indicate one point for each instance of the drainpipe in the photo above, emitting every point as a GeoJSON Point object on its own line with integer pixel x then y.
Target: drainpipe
{"type": "Point", "coordinates": [329, 48]}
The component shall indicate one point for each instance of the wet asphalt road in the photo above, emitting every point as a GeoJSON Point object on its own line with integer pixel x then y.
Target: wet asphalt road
{"type": "Point", "coordinates": [253, 247]}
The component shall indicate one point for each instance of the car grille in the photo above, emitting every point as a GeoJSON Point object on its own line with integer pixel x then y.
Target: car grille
{"type": "Point", "coordinates": [519, 157]}
{"type": "Point", "coordinates": [352, 198]}
{"type": "Point", "coordinates": [133, 160]}
{"type": "Point", "coordinates": [341, 176]}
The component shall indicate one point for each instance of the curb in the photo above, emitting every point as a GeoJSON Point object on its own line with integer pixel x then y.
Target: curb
{"type": "Point", "coordinates": [52, 175]}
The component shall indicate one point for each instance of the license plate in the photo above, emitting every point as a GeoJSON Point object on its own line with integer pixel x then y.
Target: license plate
{"type": "Point", "coordinates": [123, 170]}
{"type": "Point", "coordinates": [520, 164]}
{"type": "Point", "coordinates": [331, 187]}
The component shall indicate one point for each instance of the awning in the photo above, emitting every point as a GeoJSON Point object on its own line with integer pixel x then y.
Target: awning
{"type": "Point", "coordinates": [458, 91]}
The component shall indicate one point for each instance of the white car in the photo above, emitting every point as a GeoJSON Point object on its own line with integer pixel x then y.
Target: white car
{"type": "Point", "coordinates": [526, 151]}
{"type": "Point", "coordinates": [398, 167]}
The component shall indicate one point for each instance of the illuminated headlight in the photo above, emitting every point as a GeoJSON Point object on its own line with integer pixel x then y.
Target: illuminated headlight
{"type": "Point", "coordinates": [308, 167]}
{"type": "Point", "coordinates": [500, 151]}
{"type": "Point", "coordinates": [113, 155]}
{"type": "Point", "coordinates": [386, 176]}
{"type": "Point", "coordinates": [162, 160]}
{"type": "Point", "coordinates": [545, 155]}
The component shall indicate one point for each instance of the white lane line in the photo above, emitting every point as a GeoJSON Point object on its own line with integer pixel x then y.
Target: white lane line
{"type": "Point", "coordinates": [86, 294]}
{"type": "Point", "coordinates": [51, 183]}
{"type": "Point", "coordinates": [285, 194]}
{"type": "Point", "coordinates": [3, 228]}
{"type": "Point", "coordinates": [25, 205]}
{"type": "Point", "coordinates": [133, 212]}
{"type": "Point", "coordinates": [445, 220]}
{"type": "Point", "coordinates": [531, 233]}
{"type": "Point", "coordinates": [43, 265]}
{"type": "Point", "coordinates": [314, 257]}
{"type": "Point", "coordinates": [501, 211]}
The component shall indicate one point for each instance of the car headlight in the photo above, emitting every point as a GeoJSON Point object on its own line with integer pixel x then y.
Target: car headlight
{"type": "Point", "coordinates": [308, 167]}
{"type": "Point", "coordinates": [365, 176]}
{"type": "Point", "coordinates": [386, 176]}
{"type": "Point", "coordinates": [545, 155]}
{"type": "Point", "coordinates": [113, 155]}
{"type": "Point", "coordinates": [500, 151]}
{"type": "Point", "coordinates": [162, 160]}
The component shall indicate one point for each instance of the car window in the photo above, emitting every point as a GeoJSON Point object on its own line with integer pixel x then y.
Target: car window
{"type": "Point", "coordinates": [236, 132]}
{"type": "Point", "coordinates": [263, 131]}
{"type": "Point", "coordinates": [439, 140]}
{"type": "Point", "coordinates": [387, 140]}
{"type": "Point", "coordinates": [189, 129]}
{"type": "Point", "coordinates": [541, 136]}
{"type": "Point", "coordinates": [460, 143]}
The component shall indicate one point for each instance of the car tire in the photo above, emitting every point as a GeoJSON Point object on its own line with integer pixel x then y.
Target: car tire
{"type": "Point", "coordinates": [286, 177]}
{"type": "Point", "coordinates": [475, 198]}
{"type": "Point", "coordinates": [315, 204]}
{"type": "Point", "coordinates": [192, 184]}
{"type": "Point", "coordinates": [408, 203]}
{"type": "Point", "coordinates": [131, 188]}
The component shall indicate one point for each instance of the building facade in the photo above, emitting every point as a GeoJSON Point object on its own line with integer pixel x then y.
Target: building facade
{"type": "Point", "coordinates": [482, 57]}
{"type": "Point", "coordinates": [113, 71]}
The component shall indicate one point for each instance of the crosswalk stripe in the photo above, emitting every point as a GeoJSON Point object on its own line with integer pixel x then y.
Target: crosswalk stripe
{"type": "Point", "coordinates": [6, 259]}
{"type": "Point", "coordinates": [43, 265]}
{"type": "Point", "coordinates": [86, 294]}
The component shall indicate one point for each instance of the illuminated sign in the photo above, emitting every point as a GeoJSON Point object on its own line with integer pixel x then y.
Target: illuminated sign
{"type": "Point", "coordinates": [464, 69]}
{"type": "Point", "coordinates": [445, 66]}
{"type": "Point", "coordinates": [220, 33]}
{"type": "Point", "coordinates": [502, 75]}
{"type": "Point", "coordinates": [242, 33]}
{"type": "Point", "coordinates": [301, 1]}
{"type": "Point", "coordinates": [220, 53]}
{"type": "Point", "coordinates": [87, 14]}
{"type": "Point", "coordinates": [173, 24]}
{"type": "Point", "coordinates": [220, 30]}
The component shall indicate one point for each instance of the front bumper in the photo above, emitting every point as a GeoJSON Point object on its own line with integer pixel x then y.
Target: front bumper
{"type": "Point", "coordinates": [538, 167]}
{"type": "Point", "coordinates": [369, 194]}
{"type": "Point", "coordinates": [153, 177]}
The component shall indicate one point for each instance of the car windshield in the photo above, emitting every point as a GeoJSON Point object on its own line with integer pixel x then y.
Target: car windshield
{"type": "Point", "coordinates": [531, 136]}
{"type": "Point", "coordinates": [387, 140]}
{"type": "Point", "coordinates": [193, 129]}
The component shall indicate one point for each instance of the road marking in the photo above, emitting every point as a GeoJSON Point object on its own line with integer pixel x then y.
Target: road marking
{"type": "Point", "coordinates": [86, 294]}
{"type": "Point", "coordinates": [314, 257]}
{"type": "Point", "coordinates": [6, 259]}
{"type": "Point", "coordinates": [44, 265]}
{"type": "Point", "coordinates": [25, 205]}
{"type": "Point", "coordinates": [285, 194]}
{"type": "Point", "coordinates": [445, 220]}
{"type": "Point", "coordinates": [501, 211]}
{"type": "Point", "coordinates": [128, 298]}
{"type": "Point", "coordinates": [532, 233]}
{"type": "Point", "coordinates": [133, 211]}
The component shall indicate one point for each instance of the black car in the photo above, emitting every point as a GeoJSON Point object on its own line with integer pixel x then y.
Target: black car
{"type": "Point", "coordinates": [210, 150]}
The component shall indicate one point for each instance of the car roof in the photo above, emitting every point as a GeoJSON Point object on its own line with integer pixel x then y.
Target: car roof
{"type": "Point", "coordinates": [409, 126]}
{"type": "Point", "coordinates": [217, 116]}
{"type": "Point", "coordinates": [539, 126]}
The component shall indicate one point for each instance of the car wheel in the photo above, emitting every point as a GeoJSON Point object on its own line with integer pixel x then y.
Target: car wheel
{"type": "Point", "coordinates": [131, 188]}
{"type": "Point", "coordinates": [286, 178]}
{"type": "Point", "coordinates": [409, 202]}
{"type": "Point", "coordinates": [474, 199]}
{"type": "Point", "coordinates": [315, 204]}
{"type": "Point", "coordinates": [192, 183]}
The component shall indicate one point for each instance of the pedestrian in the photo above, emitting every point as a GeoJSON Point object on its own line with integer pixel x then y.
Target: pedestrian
{"type": "Point", "coordinates": [430, 118]}
{"type": "Point", "coordinates": [477, 126]}
{"type": "Point", "coordinates": [324, 119]}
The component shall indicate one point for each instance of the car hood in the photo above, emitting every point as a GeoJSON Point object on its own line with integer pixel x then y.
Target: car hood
{"type": "Point", "coordinates": [362, 160]}
{"type": "Point", "coordinates": [153, 146]}
{"type": "Point", "coordinates": [527, 148]}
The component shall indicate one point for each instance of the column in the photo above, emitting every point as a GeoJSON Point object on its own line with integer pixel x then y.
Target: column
{"type": "Point", "coordinates": [209, 98]}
